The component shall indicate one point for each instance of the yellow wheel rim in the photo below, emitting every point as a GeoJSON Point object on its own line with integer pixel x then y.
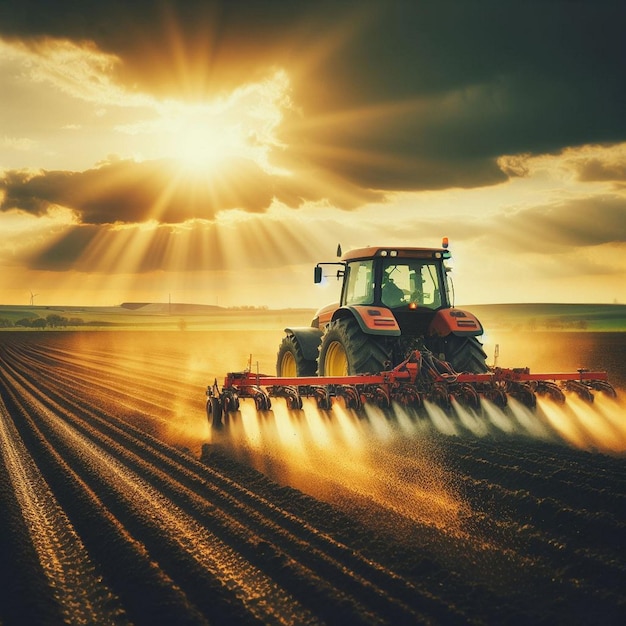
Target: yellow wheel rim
{"type": "Point", "coordinates": [336, 362]}
{"type": "Point", "coordinates": [288, 365]}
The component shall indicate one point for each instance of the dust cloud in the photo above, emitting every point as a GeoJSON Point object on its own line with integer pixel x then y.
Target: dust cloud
{"type": "Point", "coordinates": [397, 459]}
{"type": "Point", "coordinates": [333, 455]}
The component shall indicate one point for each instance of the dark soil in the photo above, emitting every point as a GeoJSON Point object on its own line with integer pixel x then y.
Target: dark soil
{"type": "Point", "coordinates": [119, 505]}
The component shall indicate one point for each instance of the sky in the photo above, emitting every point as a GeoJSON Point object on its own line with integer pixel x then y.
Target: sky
{"type": "Point", "coordinates": [213, 152]}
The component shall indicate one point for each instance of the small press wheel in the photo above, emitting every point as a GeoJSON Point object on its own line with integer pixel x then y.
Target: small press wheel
{"type": "Point", "coordinates": [214, 412]}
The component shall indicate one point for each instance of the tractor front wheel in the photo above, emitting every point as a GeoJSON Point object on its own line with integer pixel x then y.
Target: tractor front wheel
{"type": "Point", "coordinates": [290, 360]}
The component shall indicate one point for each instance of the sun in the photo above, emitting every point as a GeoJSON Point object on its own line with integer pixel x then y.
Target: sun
{"type": "Point", "coordinates": [197, 138]}
{"type": "Point", "coordinates": [240, 124]}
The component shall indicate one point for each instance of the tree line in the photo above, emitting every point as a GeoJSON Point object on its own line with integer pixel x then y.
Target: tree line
{"type": "Point", "coordinates": [50, 321]}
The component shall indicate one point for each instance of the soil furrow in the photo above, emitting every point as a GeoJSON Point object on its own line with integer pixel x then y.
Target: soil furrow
{"type": "Point", "coordinates": [259, 595]}
{"type": "Point", "coordinates": [305, 551]}
{"type": "Point", "coordinates": [105, 455]}
{"type": "Point", "coordinates": [72, 577]}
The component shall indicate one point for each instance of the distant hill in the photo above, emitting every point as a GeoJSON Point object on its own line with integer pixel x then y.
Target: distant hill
{"type": "Point", "coordinates": [155, 315]}
{"type": "Point", "coordinates": [175, 308]}
{"type": "Point", "coordinates": [551, 316]}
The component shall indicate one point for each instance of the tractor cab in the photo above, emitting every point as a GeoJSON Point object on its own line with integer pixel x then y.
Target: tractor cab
{"type": "Point", "coordinates": [395, 278]}
{"type": "Point", "coordinates": [411, 282]}
{"type": "Point", "coordinates": [396, 283]}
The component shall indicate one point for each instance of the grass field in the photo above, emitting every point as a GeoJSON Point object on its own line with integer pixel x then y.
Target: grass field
{"type": "Point", "coordinates": [568, 317]}
{"type": "Point", "coordinates": [155, 316]}
{"type": "Point", "coordinates": [158, 317]}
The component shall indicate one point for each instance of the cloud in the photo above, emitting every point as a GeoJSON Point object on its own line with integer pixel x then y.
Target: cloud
{"type": "Point", "coordinates": [393, 95]}
{"type": "Point", "coordinates": [597, 170]}
{"type": "Point", "coordinates": [601, 163]}
{"type": "Point", "coordinates": [78, 69]}
{"type": "Point", "coordinates": [591, 163]}
{"type": "Point", "coordinates": [126, 191]}
{"type": "Point", "coordinates": [552, 228]}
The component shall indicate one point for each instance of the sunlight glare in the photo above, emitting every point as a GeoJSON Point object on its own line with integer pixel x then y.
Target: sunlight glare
{"type": "Point", "coordinates": [203, 135]}
{"type": "Point", "coordinates": [198, 143]}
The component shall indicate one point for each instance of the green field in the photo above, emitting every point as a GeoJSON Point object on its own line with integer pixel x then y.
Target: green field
{"type": "Point", "coordinates": [152, 317]}
{"type": "Point", "coordinates": [553, 317]}
{"type": "Point", "coordinates": [155, 316]}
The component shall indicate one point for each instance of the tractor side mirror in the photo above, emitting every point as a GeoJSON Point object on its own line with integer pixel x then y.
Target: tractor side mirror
{"type": "Point", "coordinates": [317, 274]}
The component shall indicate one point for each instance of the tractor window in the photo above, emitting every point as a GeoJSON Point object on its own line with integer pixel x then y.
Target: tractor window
{"type": "Point", "coordinates": [359, 283]}
{"type": "Point", "coordinates": [411, 282]}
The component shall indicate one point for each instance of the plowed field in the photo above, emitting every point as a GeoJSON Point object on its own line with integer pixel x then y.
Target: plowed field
{"type": "Point", "coordinates": [118, 504]}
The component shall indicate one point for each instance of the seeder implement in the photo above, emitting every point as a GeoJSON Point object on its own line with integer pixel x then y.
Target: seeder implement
{"type": "Point", "coordinates": [420, 378]}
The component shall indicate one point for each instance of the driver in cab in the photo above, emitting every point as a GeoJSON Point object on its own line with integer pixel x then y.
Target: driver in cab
{"type": "Point", "coordinates": [391, 294]}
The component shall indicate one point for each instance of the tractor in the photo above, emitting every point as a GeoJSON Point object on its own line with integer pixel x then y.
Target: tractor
{"type": "Point", "coordinates": [393, 301]}
{"type": "Point", "coordinates": [394, 337]}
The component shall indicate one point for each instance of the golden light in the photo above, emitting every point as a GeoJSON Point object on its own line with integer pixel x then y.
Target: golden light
{"type": "Point", "coordinates": [202, 134]}
{"type": "Point", "coordinates": [198, 139]}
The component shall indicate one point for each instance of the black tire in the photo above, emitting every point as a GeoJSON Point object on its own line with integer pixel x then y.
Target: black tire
{"type": "Point", "coordinates": [290, 356]}
{"type": "Point", "coordinates": [214, 412]}
{"type": "Point", "coordinates": [365, 354]}
{"type": "Point", "coordinates": [465, 354]}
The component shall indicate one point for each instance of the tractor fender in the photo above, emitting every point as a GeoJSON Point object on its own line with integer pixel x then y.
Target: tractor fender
{"type": "Point", "coordinates": [373, 320]}
{"type": "Point", "coordinates": [309, 339]}
{"type": "Point", "coordinates": [456, 322]}
{"type": "Point", "coordinates": [324, 315]}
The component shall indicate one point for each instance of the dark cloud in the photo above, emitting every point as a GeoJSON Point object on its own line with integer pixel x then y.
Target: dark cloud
{"type": "Point", "coordinates": [475, 79]}
{"type": "Point", "coordinates": [595, 169]}
{"type": "Point", "coordinates": [578, 223]}
{"type": "Point", "coordinates": [127, 191]}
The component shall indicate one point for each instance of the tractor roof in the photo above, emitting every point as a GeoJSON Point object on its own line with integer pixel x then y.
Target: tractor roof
{"type": "Point", "coordinates": [407, 253]}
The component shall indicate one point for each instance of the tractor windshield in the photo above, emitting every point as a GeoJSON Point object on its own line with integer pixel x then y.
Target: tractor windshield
{"type": "Point", "coordinates": [411, 281]}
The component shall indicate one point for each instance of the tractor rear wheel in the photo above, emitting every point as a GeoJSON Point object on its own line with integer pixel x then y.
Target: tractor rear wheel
{"type": "Point", "coordinates": [465, 354]}
{"type": "Point", "coordinates": [346, 350]}
{"type": "Point", "coordinates": [290, 360]}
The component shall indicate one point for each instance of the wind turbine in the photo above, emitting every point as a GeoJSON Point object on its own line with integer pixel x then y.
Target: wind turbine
{"type": "Point", "coordinates": [32, 298]}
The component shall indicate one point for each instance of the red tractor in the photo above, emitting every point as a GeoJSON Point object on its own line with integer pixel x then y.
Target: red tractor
{"type": "Point", "coordinates": [394, 337]}
{"type": "Point", "coordinates": [393, 301]}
